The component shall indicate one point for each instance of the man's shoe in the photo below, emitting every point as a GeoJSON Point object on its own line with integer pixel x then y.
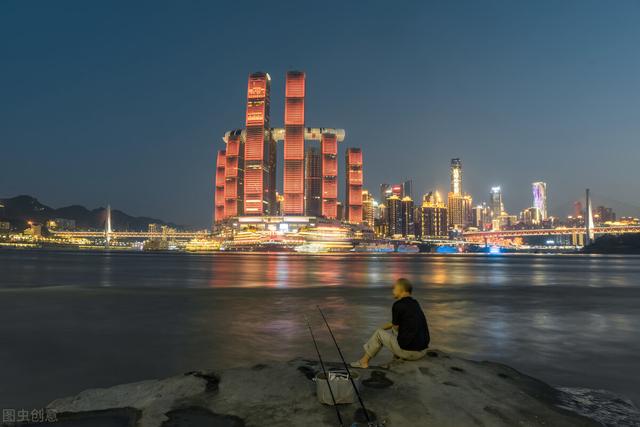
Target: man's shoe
{"type": "Point", "coordinates": [357, 364]}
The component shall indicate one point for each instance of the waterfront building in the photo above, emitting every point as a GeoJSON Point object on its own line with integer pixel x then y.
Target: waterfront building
{"type": "Point", "coordinates": [481, 217]}
{"type": "Point", "coordinates": [394, 216]}
{"type": "Point", "coordinates": [531, 216]}
{"type": "Point", "coordinates": [368, 208]}
{"type": "Point", "coordinates": [540, 198]}
{"type": "Point", "coordinates": [433, 217]}
{"type": "Point", "coordinates": [603, 214]}
{"type": "Point", "coordinates": [219, 186]}
{"type": "Point", "coordinates": [260, 149]}
{"type": "Point", "coordinates": [407, 222]}
{"type": "Point", "coordinates": [309, 176]}
{"type": "Point", "coordinates": [329, 149]}
{"type": "Point", "coordinates": [313, 182]}
{"type": "Point", "coordinates": [294, 143]}
{"type": "Point", "coordinates": [353, 185]}
{"type": "Point", "coordinates": [381, 224]}
{"type": "Point", "coordinates": [234, 177]}
{"type": "Point", "coordinates": [459, 210]}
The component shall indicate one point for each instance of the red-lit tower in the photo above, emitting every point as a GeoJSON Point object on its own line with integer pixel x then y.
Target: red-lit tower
{"type": "Point", "coordinates": [219, 194]}
{"type": "Point", "coordinates": [294, 144]}
{"type": "Point", "coordinates": [259, 149]}
{"type": "Point", "coordinates": [329, 148]}
{"type": "Point", "coordinates": [353, 188]}
{"type": "Point", "coordinates": [234, 176]}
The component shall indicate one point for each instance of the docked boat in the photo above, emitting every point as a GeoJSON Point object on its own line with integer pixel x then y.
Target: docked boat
{"type": "Point", "coordinates": [374, 247]}
{"type": "Point", "coordinates": [408, 249]}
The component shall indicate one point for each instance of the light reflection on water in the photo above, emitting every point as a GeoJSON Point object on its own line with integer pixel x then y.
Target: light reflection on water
{"type": "Point", "coordinates": [107, 318]}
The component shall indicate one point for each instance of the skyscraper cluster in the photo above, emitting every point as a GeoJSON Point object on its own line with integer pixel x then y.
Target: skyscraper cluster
{"type": "Point", "coordinates": [245, 178]}
{"type": "Point", "coordinates": [399, 217]}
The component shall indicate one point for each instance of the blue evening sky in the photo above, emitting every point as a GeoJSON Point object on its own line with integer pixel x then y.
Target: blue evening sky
{"type": "Point", "coordinates": [125, 102]}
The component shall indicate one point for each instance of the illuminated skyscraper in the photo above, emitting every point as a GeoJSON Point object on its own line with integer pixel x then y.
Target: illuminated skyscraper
{"type": "Point", "coordinates": [368, 208]}
{"type": "Point", "coordinates": [497, 205]}
{"type": "Point", "coordinates": [234, 176]}
{"type": "Point", "coordinates": [353, 187]}
{"type": "Point", "coordinates": [459, 210]}
{"type": "Point", "coordinates": [294, 144]}
{"type": "Point", "coordinates": [312, 182]}
{"type": "Point", "coordinates": [540, 198]}
{"type": "Point", "coordinates": [260, 149]}
{"type": "Point", "coordinates": [407, 223]}
{"type": "Point", "coordinates": [385, 191]}
{"type": "Point", "coordinates": [219, 192]}
{"type": "Point", "coordinates": [433, 217]}
{"type": "Point", "coordinates": [329, 148]}
{"type": "Point", "coordinates": [458, 204]}
{"type": "Point", "coordinates": [393, 213]}
{"type": "Point", "coordinates": [456, 176]}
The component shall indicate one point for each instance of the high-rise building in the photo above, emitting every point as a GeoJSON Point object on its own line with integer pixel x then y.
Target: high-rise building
{"type": "Point", "coordinates": [329, 148]}
{"type": "Point", "coordinates": [368, 208]}
{"type": "Point", "coordinates": [603, 214]}
{"type": "Point", "coordinates": [219, 185]}
{"type": "Point", "coordinates": [312, 182]}
{"type": "Point", "coordinates": [531, 216]}
{"type": "Point", "coordinates": [497, 205]}
{"type": "Point", "coordinates": [385, 191]}
{"type": "Point", "coordinates": [433, 217]}
{"type": "Point", "coordinates": [458, 203]}
{"type": "Point", "coordinates": [294, 144]}
{"type": "Point", "coordinates": [540, 198]}
{"type": "Point", "coordinates": [234, 176]}
{"type": "Point", "coordinates": [408, 226]}
{"type": "Point", "coordinates": [407, 188]}
{"type": "Point", "coordinates": [459, 210]}
{"type": "Point", "coordinates": [456, 176]}
{"type": "Point", "coordinates": [260, 149]}
{"type": "Point", "coordinates": [353, 185]}
{"type": "Point", "coordinates": [381, 225]}
{"type": "Point", "coordinates": [481, 216]}
{"type": "Point", "coordinates": [393, 213]}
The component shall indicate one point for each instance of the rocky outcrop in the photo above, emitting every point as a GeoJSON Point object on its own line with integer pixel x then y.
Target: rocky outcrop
{"type": "Point", "coordinates": [439, 390]}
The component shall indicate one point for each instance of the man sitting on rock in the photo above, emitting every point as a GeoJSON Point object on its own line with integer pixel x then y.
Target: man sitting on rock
{"type": "Point", "coordinates": [407, 336]}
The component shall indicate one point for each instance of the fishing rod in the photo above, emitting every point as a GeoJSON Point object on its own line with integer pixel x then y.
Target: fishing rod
{"type": "Point", "coordinates": [326, 375]}
{"type": "Point", "coordinates": [346, 366]}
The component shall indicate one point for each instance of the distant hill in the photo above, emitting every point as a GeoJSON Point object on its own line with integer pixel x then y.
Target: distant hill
{"type": "Point", "coordinates": [18, 210]}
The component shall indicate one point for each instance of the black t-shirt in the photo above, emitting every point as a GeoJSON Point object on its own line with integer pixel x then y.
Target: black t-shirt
{"type": "Point", "coordinates": [413, 332]}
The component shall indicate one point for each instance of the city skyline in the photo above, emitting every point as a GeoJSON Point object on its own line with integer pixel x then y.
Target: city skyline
{"type": "Point", "coordinates": [146, 105]}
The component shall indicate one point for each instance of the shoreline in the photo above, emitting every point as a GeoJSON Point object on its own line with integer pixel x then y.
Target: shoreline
{"type": "Point", "coordinates": [440, 389]}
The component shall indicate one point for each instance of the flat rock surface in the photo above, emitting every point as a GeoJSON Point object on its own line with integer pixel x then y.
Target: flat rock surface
{"type": "Point", "coordinates": [439, 390]}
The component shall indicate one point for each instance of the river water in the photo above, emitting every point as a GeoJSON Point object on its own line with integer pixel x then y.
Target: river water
{"type": "Point", "coordinates": [75, 320]}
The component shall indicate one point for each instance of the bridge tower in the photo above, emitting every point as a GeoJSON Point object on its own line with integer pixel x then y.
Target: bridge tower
{"type": "Point", "coordinates": [588, 221]}
{"type": "Point", "coordinates": [107, 228]}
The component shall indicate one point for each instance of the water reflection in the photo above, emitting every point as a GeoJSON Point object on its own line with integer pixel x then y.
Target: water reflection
{"type": "Point", "coordinates": [126, 317]}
